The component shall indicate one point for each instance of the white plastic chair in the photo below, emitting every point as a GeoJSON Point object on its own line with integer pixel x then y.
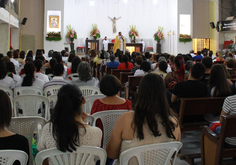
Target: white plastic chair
{"type": "Point", "coordinates": [89, 102]}
{"type": "Point", "coordinates": [23, 75]}
{"type": "Point", "coordinates": [30, 105]}
{"type": "Point", "coordinates": [28, 91]}
{"type": "Point", "coordinates": [159, 153]}
{"type": "Point", "coordinates": [8, 157]}
{"type": "Point", "coordinates": [52, 101]}
{"type": "Point", "coordinates": [89, 120]}
{"type": "Point", "coordinates": [84, 155]}
{"type": "Point", "coordinates": [89, 90]}
{"type": "Point", "coordinates": [26, 126]}
{"type": "Point", "coordinates": [50, 76]}
{"type": "Point", "coordinates": [73, 76]}
{"type": "Point", "coordinates": [7, 90]}
{"type": "Point", "coordinates": [51, 90]}
{"type": "Point", "coordinates": [108, 119]}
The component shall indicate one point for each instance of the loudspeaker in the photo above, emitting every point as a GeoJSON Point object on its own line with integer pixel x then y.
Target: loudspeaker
{"type": "Point", "coordinates": [24, 21]}
{"type": "Point", "coordinates": [3, 3]}
{"type": "Point", "coordinates": [212, 25]}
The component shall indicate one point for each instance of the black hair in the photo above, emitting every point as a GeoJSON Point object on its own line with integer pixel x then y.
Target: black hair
{"type": "Point", "coordinates": [198, 53]}
{"type": "Point", "coordinates": [64, 126]}
{"type": "Point", "coordinates": [30, 54]}
{"type": "Point", "coordinates": [40, 58]}
{"type": "Point", "coordinates": [28, 59]}
{"type": "Point", "coordinates": [150, 103]}
{"type": "Point", "coordinates": [112, 57]}
{"type": "Point", "coordinates": [125, 60]}
{"type": "Point", "coordinates": [57, 56]}
{"type": "Point", "coordinates": [38, 64]}
{"type": "Point", "coordinates": [15, 54]}
{"type": "Point", "coordinates": [52, 63]}
{"type": "Point", "coordinates": [163, 66]}
{"type": "Point", "coordinates": [9, 54]}
{"type": "Point", "coordinates": [71, 57]}
{"type": "Point", "coordinates": [3, 69]}
{"type": "Point", "coordinates": [102, 54]}
{"type": "Point", "coordinates": [38, 52]}
{"type": "Point", "coordinates": [207, 61]}
{"type": "Point", "coordinates": [10, 68]}
{"type": "Point", "coordinates": [1, 55]}
{"type": "Point", "coordinates": [29, 74]}
{"type": "Point", "coordinates": [218, 80]}
{"type": "Point", "coordinates": [210, 53]}
{"type": "Point", "coordinates": [63, 53]}
{"type": "Point", "coordinates": [6, 110]}
{"type": "Point", "coordinates": [43, 51]}
{"type": "Point", "coordinates": [230, 63]}
{"type": "Point", "coordinates": [110, 85]}
{"type": "Point", "coordinates": [198, 70]}
{"type": "Point", "coordinates": [139, 60]}
{"type": "Point", "coordinates": [58, 69]}
{"type": "Point", "coordinates": [75, 64]}
{"type": "Point", "coordinates": [147, 55]}
{"type": "Point", "coordinates": [22, 55]}
{"type": "Point", "coordinates": [145, 66]}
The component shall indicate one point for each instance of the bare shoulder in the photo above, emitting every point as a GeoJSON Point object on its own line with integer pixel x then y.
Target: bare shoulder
{"type": "Point", "coordinates": [127, 116]}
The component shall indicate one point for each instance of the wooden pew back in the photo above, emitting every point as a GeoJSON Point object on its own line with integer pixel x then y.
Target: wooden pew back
{"type": "Point", "coordinates": [108, 70]}
{"type": "Point", "coordinates": [133, 82]}
{"type": "Point", "coordinates": [116, 72]}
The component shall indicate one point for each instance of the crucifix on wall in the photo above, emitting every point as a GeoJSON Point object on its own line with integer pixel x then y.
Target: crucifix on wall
{"type": "Point", "coordinates": [114, 23]}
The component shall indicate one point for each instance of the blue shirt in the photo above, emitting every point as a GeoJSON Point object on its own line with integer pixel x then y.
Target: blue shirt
{"type": "Point", "coordinates": [198, 57]}
{"type": "Point", "coordinates": [112, 64]}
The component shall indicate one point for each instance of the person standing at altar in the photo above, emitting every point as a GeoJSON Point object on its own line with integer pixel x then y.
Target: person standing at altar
{"type": "Point", "coordinates": [105, 43]}
{"type": "Point", "coordinates": [88, 44]}
{"type": "Point", "coordinates": [142, 42]}
{"type": "Point", "coordinates": [119, 43]}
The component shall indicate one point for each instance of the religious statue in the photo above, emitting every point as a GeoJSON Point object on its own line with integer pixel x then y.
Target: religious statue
{"type": "Point", "coordinates": [114, 23]}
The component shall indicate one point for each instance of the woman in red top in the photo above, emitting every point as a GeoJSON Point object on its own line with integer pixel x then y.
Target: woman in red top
{"type": "Point", "coordinates": [125, 65]}
{"type": "Point", "coordinates": [75, 63]}
{"type": "Point", "coordinates": [110, 86]}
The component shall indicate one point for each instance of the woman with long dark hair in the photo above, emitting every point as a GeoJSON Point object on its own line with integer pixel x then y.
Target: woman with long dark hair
{"type": "Point", "coordinates": [150, 122]}
{"type": "Point", "coordinates": [67, 129]}
{"type": "Point", "coordinates": [30, 79]}
{"type": "Point", "coordinates": [219, 85]}
{"type": "Point", "coordinates": [74, 66]}
{"type": "Point", "coordinates": [5, 81]}
{"type": "Point", "coordinates": [179, 73]}
{"type": "Point", "coordinates": [125, 65]}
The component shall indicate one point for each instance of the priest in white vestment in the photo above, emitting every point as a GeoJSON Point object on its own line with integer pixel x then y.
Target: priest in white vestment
{"type": "Point", "coordinates": [142, 42]}
{"type": "Point", "coordinates": [105, 44]}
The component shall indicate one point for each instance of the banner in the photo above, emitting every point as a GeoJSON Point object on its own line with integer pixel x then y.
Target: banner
{"type": "Point", "coordinates": [226, 25]}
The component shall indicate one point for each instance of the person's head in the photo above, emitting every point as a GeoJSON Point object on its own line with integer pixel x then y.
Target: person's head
{"type": "Point", "coordinates": [139, 60]}
{"type": "Point", "coordinates": [163, 66]}
{"type": "Point", "coordinates": [58, 57]}
{"type": "Point", "coordinates": [220, 55]}
{"type": "Point", "coordinates": [28, 59]}
{"type": "Point", "coordinates": [30, 53]}
{"type": "Point", "coordinates": [188, 65]}
{"type": "Point", "coordinates": [29, 74]}
{"type": "Point", "coordinates": [125, 59]}
{"type": "Point", "coordinates": [6, 110]}
{"type": "Point", "coordinates": [71, 57]}
{"type": "Point", "coordinates": [1, 55]}
{"type": "Point", "coordinates": [151, 102]}
{"type": "Point", "coordinates": [191, 51]}
{"type": "Point", "coordinates": [160, 59]}
{"type": "Point", "coordinates": [119, 32]}
{"type": "Point", "coordinates": [230, 54]}
{"type": "Point", "coordinates": [179, 67]}
{"type": "Point", "coordinates": [10, 67]}
{"type": "Point", "coordinates": [22, 55]}
{"type": "Point", "coordinates": [43, 51]}
{"type": "Point", "coordinates": [156, 57]}
{"type": "Point", "coordinates": [199, 53]}
{"type": "Point", "coordinates": [112, 57]}
{"type": "Point", "coordinates": [63, 53]}
{"type": "Point", "coordinates": [207, 62]}
{"type": "Point", "coordinates": [41, 58]}
{"type": "Point", "coordinates": [147, 55]}
{"type": "Point", "coordinates": [74, 65]}
{"type": "Point", "coordinates": [210, 53]}
{"type": "Point", "coordinates": [198, 71]}
{"type": "Point", "coordinates": [39, 52]}
{"type": "Point", "coordinates": [102, 54]}
{"type": "Point", "coordinates": [64, 124]}
{"type": "Point", "coordinates": [10, 54]}
{"type": "Point", "coordinates": [218, 80]}
{"type": "Point", "coordinates": [15, 54]}
{"type": "Point", "coordinates": [105, 38]}
{"type": "Point", "coordinates": [38, 65]}
{"type": "Point", "coordinates": [50, 53]}
{"type": "Point", "coordinates": [110, 85]}
{"type": "Point", "coordinates": [6, 59]}
{"type": "Point", "coordinates": [3, 69]}
{"type": "Point", "coordinates": [86, 38]}
{"type": "Point", "coordinates": [145, 66]}
{"type": "Point", "coordinates": [58, 70]}
{"type": "Point", "coordinates": [52, 63]}
{"type": "Point", "coordinates": [230, 63]}
{"type": "Point", "coordinates": [171, 58]}
{"type": "Point", "coordinates": [84, 71]}
{"type": "Point", "coordinates": [106, 55]}
{"type": "Point", "coordinates": [93, 53]}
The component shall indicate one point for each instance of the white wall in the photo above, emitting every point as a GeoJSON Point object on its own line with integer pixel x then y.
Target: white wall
{"type": "Point", "coordinates": [185, 7]}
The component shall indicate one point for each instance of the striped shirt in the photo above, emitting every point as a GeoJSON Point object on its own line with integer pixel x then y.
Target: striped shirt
{"type": "Point", "coordinates": [229, 107]}
{"type": "Point", "coordinates": [56, 80]}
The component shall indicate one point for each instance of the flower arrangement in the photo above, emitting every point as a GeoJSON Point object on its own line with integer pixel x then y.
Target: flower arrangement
{"type": "Point", "coordinates": [95, 32]}
{"type": "Point", "coordinates": [185, 38]}
{"type": "Point", "coordinates": [53, 36]}
{"type": "Point", "coordinates": [133, 32]}
{"type": "Point", "coordinates": [71, 33]}
{"type": "Point", "coordinates": [158, 36]}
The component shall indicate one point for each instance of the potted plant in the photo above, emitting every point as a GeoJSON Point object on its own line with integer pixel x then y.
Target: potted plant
{"type": "Point", "coordinates": [71, 33]}
{"type": "Point", "coordinates": [95, 33]}
{"type": "Point", "coordinates": [158, 36]}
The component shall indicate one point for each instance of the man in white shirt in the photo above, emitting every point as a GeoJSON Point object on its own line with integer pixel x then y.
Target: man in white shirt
{"type": "Point", "coordinates": [15, 62]}
{"type": "Point", "coordinates": [192, 53]}
{"type": "Point", "coordinates": [39, 68]}
{"type": "Point", "coordinates": [105, 43]}
{"type": "Point", "coordinates": [142, 42]}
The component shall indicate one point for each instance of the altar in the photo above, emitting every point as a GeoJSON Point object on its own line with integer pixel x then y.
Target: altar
{"type": "Point", "coordinates": [132, 47]}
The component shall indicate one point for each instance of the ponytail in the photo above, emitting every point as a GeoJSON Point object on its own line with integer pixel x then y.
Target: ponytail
{"type": "Point", "coordinates": [64, 126]}
{"type": "Point", "coordinates": [29, 74]}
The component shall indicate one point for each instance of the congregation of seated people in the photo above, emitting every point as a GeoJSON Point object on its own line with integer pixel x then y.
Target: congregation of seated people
{"type": "Point", "coordinates": [152, 113]}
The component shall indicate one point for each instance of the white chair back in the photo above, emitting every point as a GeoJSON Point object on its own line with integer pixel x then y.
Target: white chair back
{"type": "Point", "coordinates": [51, 90]}
{"type": "Point", "coordinates": [108, 119]}
{"type": "Point", "coordinates": [50, 76]}
{"type": "Point", "coordinates": [83, 155]}
{"type": "Point", "coordinates": [8, 157]}
{"type": "Point", "coordinates": [23, 75]}
{"type": "Point", "coordinates": [31, 105]}
{"type": "Point", "coordinates": [7, 90]}
{"type": "Point", "coordinates": [160, 153]}
{"type": "Point", "coordinates": [52, 101]}
{"type": "Point", "coordinates": [26, 126]}
{"type": "Point", "coordinates": [89, 120]}
{"type": "Point", "coordinates": [89, 102]}
{"type": "Point", "coordinates": [28, 91]}
{"type": "Point", "coordinates": [89, 90]}
{"type": "Point", "coordinates": [73, 76]}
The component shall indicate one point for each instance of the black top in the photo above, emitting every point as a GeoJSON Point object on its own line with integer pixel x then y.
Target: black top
{"type": "Point", "coordinates": [15, 142]}
{"type": "Point", "coordinates": [205, 78]}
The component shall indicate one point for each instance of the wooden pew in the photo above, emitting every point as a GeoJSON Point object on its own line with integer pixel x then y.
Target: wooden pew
{"type": "Point", "coordinates": [102, 72]}
{"type": "Point", "coordinates": [124, 79]}
{"type": "Point", "coordinates": [213, 148]}
{"type": "Point", "coordinates": [108, 70]}
{"type": "Point", "coordinates": [97, 70]}
{"type": "Point", "coordinates": [133, 81]}
{"type": "Point", "coordinates": [116, 72]}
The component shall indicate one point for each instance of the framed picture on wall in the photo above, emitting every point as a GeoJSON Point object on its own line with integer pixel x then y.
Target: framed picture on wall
{"type": "Point", "coordinates": [53, 21]}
